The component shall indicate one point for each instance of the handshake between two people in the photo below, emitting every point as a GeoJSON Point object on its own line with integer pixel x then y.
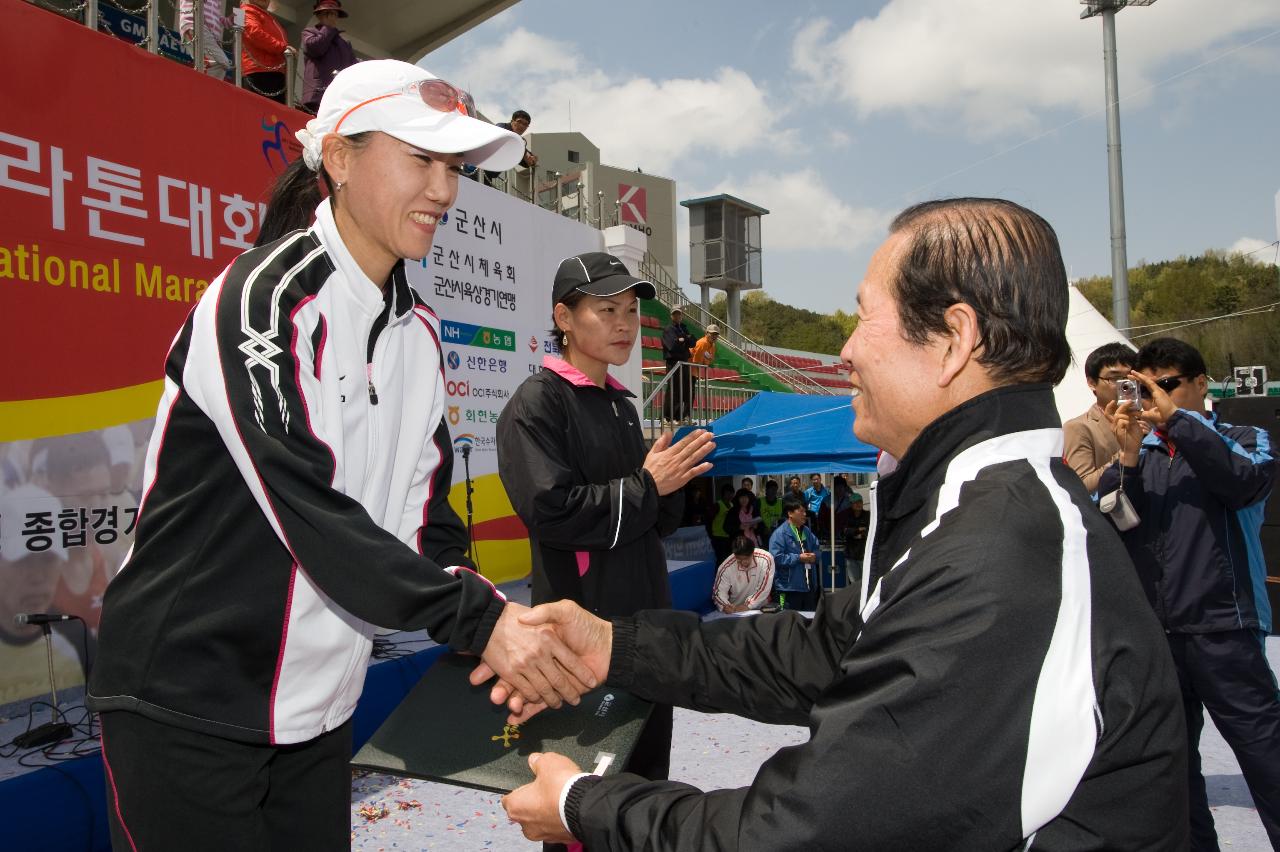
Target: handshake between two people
{"type": "Point", "coordinates": [569, 655]}
{"type": "Point", "coordinates": [556, 652]}
{"type": "Point", "coordinates": [544, 657]}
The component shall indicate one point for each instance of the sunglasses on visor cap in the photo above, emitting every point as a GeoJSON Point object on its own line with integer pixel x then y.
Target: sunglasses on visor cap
{"type": "Point", "coordinates": [1168, 384]}
{"type": "Point", "coordinates": [436, 94]}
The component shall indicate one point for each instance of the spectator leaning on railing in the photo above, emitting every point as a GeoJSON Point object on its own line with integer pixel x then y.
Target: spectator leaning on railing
{"type": "Point", "coordinates": [325, 52]}
{"type": "Point", "coordinates": [704, 352]}
{"type": "Point", "coordinates": [262, 54]}
{"type": "Point", "coordinates": [216, 61]}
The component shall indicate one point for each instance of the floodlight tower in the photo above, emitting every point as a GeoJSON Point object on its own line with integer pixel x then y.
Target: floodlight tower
{"type": "Point", "coordinates": [1115, 175]}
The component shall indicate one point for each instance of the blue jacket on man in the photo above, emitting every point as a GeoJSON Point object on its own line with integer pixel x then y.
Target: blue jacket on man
{"type": "Point", "coordinates": [1200, 489]}
{"type": "Point", "coordinates": [790, 574]}
{"type": "Point", "coordinates": [814, 499]}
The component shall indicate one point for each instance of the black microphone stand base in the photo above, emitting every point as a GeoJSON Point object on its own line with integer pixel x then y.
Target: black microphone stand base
{"type": "Point", "coordinates": [49, 732]}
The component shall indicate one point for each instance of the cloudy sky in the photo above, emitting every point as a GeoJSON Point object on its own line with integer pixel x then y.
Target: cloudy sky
{"type": "Point", "coordinates": [835, 115]}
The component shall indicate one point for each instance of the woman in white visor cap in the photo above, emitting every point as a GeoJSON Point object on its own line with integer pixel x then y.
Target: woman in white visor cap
{"type": "Point", "coordinates": [296, 492]}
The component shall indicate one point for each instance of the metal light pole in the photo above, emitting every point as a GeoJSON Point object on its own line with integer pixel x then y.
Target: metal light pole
{"type": "Point", "coordinates": [1115, 172]}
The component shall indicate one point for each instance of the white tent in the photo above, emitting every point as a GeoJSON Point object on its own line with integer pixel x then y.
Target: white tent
{"type": "Point", "coordinates": [1086, 331]}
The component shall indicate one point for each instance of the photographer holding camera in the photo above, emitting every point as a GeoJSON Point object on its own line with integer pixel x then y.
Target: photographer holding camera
{"type": "Point", "coordinates": [1198, 487]}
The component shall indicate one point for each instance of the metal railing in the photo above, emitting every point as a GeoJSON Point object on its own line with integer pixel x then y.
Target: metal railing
{"type": "Point", "coordinates": [563, 193]}
{"type": "Point", "coordinates": [769, 364]}
{"type": "Point", "coordinates": [88, 12]}
{"type": "Point", "coordinates": [686, 395]}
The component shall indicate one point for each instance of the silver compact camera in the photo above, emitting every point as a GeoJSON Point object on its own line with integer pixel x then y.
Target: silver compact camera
{"type": "Point", "coordinates": [1127, 390]}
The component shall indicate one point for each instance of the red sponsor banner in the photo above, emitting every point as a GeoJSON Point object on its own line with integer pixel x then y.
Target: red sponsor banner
{"type": "Point", "coordinates": [633, 202]}
{"type": "Point", "coordinates": [127, 183]}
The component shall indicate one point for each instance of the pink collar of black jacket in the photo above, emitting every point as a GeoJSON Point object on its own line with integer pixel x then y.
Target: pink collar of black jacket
{"type": "Point", "coordinates": [574, 376]}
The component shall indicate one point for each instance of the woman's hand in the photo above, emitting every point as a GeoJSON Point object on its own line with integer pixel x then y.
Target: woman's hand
{"type": "Point", "coordinates": [673, 465]}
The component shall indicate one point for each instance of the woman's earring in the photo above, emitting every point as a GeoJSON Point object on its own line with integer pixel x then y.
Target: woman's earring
{"type": "Point", "coordinates": [444, 217]}
{"type": "Point", "coordinates": [337, 187]}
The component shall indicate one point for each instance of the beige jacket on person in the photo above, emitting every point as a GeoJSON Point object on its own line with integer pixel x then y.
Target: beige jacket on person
{"type": "Point", "coordinates": [1089, 446]}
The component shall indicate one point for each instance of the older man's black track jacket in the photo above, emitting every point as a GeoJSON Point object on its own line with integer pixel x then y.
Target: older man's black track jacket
{"type": "Point", "coordinates": [1004, 687]}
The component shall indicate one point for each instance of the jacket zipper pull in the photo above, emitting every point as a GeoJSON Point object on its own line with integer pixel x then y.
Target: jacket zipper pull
{"type": "Point", "coordinates": [373, 392]}
{"type": "Point", "coordinates": [615, 407]}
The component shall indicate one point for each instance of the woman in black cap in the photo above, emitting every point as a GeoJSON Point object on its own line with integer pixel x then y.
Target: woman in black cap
{"type": "Point", "coordinates": [572, 458]}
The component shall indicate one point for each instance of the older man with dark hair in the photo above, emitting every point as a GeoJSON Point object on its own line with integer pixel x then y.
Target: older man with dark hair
{"type": "Point", "coordinates": [1199, 487]}
{"type": "Point", "coordinates": [1001, 686]}
{"type": "Point", "coordinates": [1089, 443]}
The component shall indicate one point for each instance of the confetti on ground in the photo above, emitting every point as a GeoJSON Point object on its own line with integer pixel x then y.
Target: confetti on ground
{"type": "Point", "coordinates": [373, 813]}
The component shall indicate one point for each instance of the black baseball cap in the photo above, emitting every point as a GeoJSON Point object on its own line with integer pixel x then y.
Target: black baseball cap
{"type": "Point", "coordinates": [597, 273]}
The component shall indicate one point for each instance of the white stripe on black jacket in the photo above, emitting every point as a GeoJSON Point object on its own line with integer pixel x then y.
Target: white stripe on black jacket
{"type": "Point", "coordinates": [294, 497]}
{"type": "Point", "coordinates": [1007, 689]}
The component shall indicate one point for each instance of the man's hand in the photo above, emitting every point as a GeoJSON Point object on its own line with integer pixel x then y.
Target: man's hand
{"type": "Point", "coordinates": [589, 640]}
{"type": "Point", "coordinates": [673, 465]}
{"type": "Point", "coordinates": [1126, 424]}
{"type": "Point", "coordinates": [1162, 405]}
{"type": "Point", "coordinates": [534, 660]}
{"type": "Point", "coordinates": [536, 805]}
{"type": "Point", "coordinates": [808, 558]}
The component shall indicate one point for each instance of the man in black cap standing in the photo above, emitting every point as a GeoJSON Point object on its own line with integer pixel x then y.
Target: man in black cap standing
{"type": "Point", "coordinates": [676, 350]}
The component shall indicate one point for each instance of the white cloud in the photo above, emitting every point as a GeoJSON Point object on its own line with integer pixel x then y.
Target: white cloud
{"type": "Point", "coordinates": [804, 214]}
{"type": "Point", "coordinates": [635, 120]}
{"type": "Point", "coordinates": [1254, 249]}
{"type": "Point", "coordinates": [999, 65]}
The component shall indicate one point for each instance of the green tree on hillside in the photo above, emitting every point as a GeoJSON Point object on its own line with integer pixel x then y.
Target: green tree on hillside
{"type": "Point", "coordinates": [774, 324]}
{"type": "Point", "coordinates": [1186, 291]}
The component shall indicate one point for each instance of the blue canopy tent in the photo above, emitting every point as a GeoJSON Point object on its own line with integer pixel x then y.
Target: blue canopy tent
{"type": "Point", "coordinates": [789, 432]}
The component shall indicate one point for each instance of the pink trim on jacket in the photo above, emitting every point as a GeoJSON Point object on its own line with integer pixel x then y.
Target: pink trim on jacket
{"type": "Point", "coordinates": [574, 376]}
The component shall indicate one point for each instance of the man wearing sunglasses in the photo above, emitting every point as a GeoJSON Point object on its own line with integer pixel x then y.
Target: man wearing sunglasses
{"type": "Point", "coordinates": [1200, 487]}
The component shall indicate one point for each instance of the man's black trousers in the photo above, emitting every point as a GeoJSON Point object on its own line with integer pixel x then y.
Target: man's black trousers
{"type": "Point", "coordinates": [1228, 675]}
{"type": "Point", "coordinates": [677, 403]}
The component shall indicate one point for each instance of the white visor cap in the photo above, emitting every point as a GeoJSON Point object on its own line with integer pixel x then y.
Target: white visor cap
{"type": "Point", "coordinates": [358, 98]}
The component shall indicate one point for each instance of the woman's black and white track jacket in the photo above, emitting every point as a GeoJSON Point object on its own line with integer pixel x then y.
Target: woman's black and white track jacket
{"type": "Point", "coordinates": [1005, 686]}
{"type": "Point", "coordinates": [295, 495]}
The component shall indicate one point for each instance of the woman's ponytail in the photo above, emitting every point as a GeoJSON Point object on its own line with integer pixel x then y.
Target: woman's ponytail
{"type": "Point", "coordinates": [293, 202]}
